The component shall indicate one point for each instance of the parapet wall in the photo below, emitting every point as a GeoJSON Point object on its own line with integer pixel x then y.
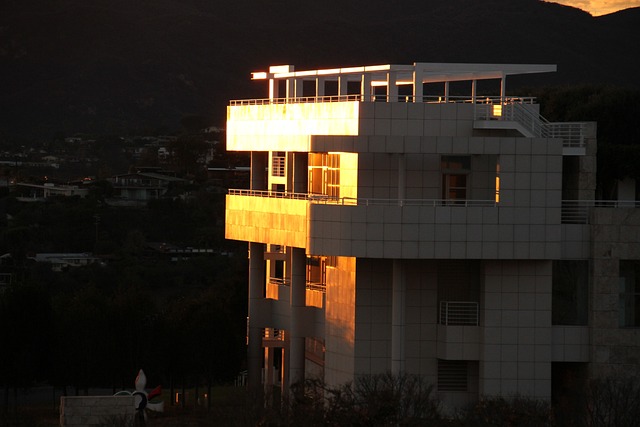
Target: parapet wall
{"type": "Point", "coordinates": [97, 411]}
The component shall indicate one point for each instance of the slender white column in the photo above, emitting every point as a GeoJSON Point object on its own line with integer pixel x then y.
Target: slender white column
{"type": "Point", "coordinates": [256, 293]}
{"type": "Point", "coordinates": [320, 86]}
{"type": "Point", "coordinates": [392, 87]}
{"type": "Point", "coordinates": [290, 88]}
{"type": "Point", "coordinates": [298, 88]}
{"type": "Point", "coordinates": [365, 87]}
{"type": "Point", "coordinates": [418, 87]}
{"type": "Point", "coordinates": [474, 91]}
{"type": "Point", "coordinates": [397, 318]}
{"type": "Point", "coordinates": [298, 301]}
{"type": "Point", "coordinates": [446, 91]}
{"type": "Point", "coordinates": [503, 89]}
{"type": "Point", "coordinates": [273, 89]}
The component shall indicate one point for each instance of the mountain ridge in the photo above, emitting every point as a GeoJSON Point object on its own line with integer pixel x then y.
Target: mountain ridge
{"type": "Point", "coordinates": [124, 67]}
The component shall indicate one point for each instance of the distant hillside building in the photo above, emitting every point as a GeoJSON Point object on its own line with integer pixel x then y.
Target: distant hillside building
{"type": "Point", "coordinates": [40, 192]}
{"type": "Point", "coordinates": [64, 261]}
{"type": "Point", "coordinates": [401, 228]}
{"type": "Point", "coordinates": [140, 187]}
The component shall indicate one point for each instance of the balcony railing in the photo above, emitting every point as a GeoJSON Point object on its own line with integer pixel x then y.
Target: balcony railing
{"type": "Point", "coordinates": [577, 211]}
{"type": "Point", "coordinates": [459, 313]}
{"type": "Point", "coordinates": [514, 109]}
{"type": "Point", "coordinates": [428, 99]}
{"type": "Point", "coordinates": [318, 287]}
{"type": "Point", "coordinates": [350, 201]}
{"type": "Point", "coordinates": [278, 281]}
{"type": "Point", "coordinates": [486, 108]}
{"type": "Point", "coordinates": [273, 334]}
{"type": "Point", "coordinates": [298, 100]}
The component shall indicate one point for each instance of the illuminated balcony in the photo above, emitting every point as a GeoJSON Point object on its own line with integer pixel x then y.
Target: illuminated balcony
{"type": "Point", "coordinates": [348, 123]}
{"type": "Point", "coordinates": [393, 228]}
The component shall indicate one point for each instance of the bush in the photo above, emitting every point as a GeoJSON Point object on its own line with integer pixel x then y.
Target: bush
{"type": "Point", "coordinates": [384, 399]}
{"type": "Point", "coordinates": [515, 411]}
{"type": "Point", "coordinates": [614, 401]}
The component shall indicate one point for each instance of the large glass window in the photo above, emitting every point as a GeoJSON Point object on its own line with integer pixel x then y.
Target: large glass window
{"type": "Point", "coordinates": [324, 174]}
{"type": "Point", "coordinates": [629, 302]}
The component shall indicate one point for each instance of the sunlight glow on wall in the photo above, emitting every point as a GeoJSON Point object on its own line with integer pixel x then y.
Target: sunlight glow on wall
{"type": "Point", "coordinates": [287, 127]}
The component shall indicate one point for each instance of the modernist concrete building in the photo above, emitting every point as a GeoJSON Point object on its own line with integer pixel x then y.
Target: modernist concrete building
{"type": "Point", "coordinates": [416, 218]}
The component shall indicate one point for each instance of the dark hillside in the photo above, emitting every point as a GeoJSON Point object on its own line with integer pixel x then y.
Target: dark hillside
{"type": "Point", "coordinates": [119, 66]}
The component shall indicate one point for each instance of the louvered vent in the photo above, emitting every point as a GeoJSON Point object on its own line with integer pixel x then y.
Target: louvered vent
{"type": "Point", "coordinates": [452, 375]}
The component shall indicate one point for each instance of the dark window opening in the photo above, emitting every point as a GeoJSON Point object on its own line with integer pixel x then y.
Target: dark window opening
{"type": "Point", "coordinates": [570, 290]}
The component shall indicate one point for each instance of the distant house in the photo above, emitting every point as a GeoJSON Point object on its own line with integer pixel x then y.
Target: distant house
{"type": "Point", "coordinates": [141, 187]}
{"type": "Point", "coordinates": [64, 261]}
{"type": "Point", "coordinates": [41, 192]}
{"type": "Point", "coordinates": [173, 253]}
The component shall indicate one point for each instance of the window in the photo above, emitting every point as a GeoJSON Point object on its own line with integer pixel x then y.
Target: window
{"type": "Point", "coordinates": [324, 174]}
{"type": "Point", "coordinates": [455, 172]}
{"type": "Point", "coordinates": [333, 175]}
{"type": "Point", "coordinates": [570, 287]}
{"type": "Point", "coordinates": [316, 273]}
{"type": "Point", "coordinates": [629, 302]}
{"type": "Point", "coordinates": [278, 163]}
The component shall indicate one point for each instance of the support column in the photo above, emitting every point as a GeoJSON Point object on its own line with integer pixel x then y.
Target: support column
{"type": "Point", "coordinates": [418, 88]}
{"type": "Point", "coordinates": [284, 367]}
{"type": "Point", "coordinates": [365, 87]}
{"type": "Point", "coordinates": [474, 91]}
{"type": "Point", "coordinates": [256, 293]}
{"type": "Point", "coordinates": [397, 318]}
{"type": "Point", "coordinates": [258, 170]}
{"type": "Point", "coordinates": [446, 91]}
{"type": "Point", "coordinates": [269, 371]}
{"type": "Point", "coordinates": [298, 301]}
{"type": "Point", "coordinates": [273, 89]}
{"type": "Point", "coordinates": [503, 89]}
{"type": "Point", "coordinates": [290, 88]}
{"type": "Point", "coordinates": [320, 86]}
{"type": "Point", "coordinates": [392, 87]}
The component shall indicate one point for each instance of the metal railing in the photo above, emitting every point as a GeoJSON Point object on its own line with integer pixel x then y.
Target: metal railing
{"type": "Point", "coordinates": [486, 108]}
{"type": "Point", "coordinates": [273, 334]}
{"type": "Point", "coordinates": [429, 99]}
{"type": "Point", "coordinates": [318, 287]}
{"type": "Point", "coordinates": [514, 109]}
{"type": "Point", "coordinates": [278, 281]}
{"type": "Point", "coordinates": [578, 211]}
{"type": "Point", "coordinates": [298, 100]}
{"type": "Point", "coordinates": [350, 201]}
{"type": "Point", "coordinates": [459, 313]}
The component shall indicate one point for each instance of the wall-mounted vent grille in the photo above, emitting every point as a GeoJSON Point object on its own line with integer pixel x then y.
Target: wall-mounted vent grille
{"type": "Point", "coordinates": [452, 375]}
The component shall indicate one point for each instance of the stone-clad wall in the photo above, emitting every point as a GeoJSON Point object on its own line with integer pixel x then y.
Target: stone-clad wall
{"type": "Point", "coordinates": [97, 410]}
{"type": "Point", "coordinates": [615, 349]}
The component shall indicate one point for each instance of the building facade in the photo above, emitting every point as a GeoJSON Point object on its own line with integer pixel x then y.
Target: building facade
{"type": "Point", "coordinates": [416, 218]}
